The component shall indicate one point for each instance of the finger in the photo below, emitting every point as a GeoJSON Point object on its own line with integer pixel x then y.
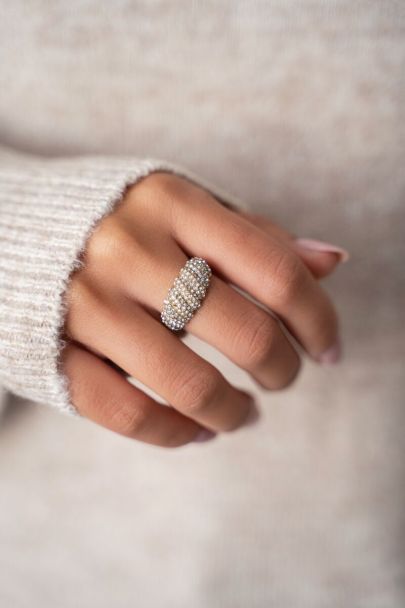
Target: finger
{"type": "Point", "coordinates": [142, 346]}
{"type": "Point", "coordinates": [104, 396]}
{"type": "Point", "coordinates": [321, 258]}
{"type": "Point", "coordinates": [262, 266]}
{"type": "Point", "coordinates": [244, 332]}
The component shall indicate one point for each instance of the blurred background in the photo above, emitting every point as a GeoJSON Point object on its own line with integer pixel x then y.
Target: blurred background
{"type": "Point", "coordinates": [298, 108]}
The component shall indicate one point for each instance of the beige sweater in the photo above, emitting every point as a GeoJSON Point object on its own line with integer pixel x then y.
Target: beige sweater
{"type": "Point", "coordinates": [297, 108]}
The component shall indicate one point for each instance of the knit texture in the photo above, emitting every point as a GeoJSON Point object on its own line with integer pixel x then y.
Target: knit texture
{"type": "Point", "coordinates": [48, 209]}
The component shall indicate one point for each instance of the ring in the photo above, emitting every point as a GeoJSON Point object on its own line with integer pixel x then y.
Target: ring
{"type": "Point", "coordinates": [187, 293]}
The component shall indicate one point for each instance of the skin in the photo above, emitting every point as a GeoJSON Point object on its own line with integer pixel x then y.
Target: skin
{"type": "Point", "coordinates": [113, 326]}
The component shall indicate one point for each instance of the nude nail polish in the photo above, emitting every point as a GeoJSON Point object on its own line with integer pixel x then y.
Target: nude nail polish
{"type": "Point", "coordinates": [321, 246]}
{"type": "Point", "coordinates": [332, 355]}
{"type": "Point", "coordinates": [204, 435]}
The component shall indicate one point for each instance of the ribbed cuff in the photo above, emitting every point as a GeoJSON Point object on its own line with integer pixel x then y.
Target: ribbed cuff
{"type": "Point", "coordinates": [48, 209]}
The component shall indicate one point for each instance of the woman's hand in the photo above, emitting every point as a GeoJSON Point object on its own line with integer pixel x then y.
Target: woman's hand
{"type": "Point", "coordinates": [114, 304]}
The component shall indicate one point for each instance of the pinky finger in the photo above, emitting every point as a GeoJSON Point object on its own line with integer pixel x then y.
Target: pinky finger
{"type": "Point", "coordinates": [103, 395]}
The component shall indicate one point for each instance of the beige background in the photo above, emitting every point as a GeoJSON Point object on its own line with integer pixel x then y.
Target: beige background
{"type": "Point", "coordinates": [298, 108]}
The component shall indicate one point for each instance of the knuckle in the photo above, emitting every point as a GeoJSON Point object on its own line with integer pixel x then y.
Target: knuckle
{"type": "Point", "coordinates": [90, 398]}
{"type": "Point", "coordinates": [84, 392]}
{"type": "Point", "coordinates": [162, 194]}
{"type": "Point", "coordinates": [288, 277]}
{"type": "Point", "coordinates": [256, 339]}
{"type": "Point", "coordinates": [199, 390]}
{"type": "Point", "coordinates": [124, 418]}
{"type": "Point", "coordinates": [159, 186]}
{"type": "Point", "coordinates": [158, 180]}
{"type": "Point", "coordinates": [108, 242]}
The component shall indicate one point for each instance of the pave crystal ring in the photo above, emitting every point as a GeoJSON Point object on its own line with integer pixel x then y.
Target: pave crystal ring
{"type": "Point", "coordinates": [186, 295]}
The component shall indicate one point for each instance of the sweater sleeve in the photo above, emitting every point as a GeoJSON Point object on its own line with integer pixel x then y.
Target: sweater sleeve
{"type": "Point", "coordinates": [48, 209]}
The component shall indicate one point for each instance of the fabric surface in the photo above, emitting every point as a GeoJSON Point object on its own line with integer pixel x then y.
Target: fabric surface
{"type": "Point", "coordinates": [298, 108]}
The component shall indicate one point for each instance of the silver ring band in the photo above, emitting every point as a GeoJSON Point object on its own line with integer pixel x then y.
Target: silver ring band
{"type": "Point", "coordinates": [186, 295]}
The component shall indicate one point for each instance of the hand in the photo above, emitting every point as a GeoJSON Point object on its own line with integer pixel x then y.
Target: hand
{"type": "Point", "coordinates": [114, 302]}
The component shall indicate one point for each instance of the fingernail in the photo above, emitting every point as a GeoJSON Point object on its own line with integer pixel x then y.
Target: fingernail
{"type": "Point", "coordinates": [332, 355]}
{"type": "Point", "coordinates": [204, 435]}
{"type": "Point", "coordinates": [314, 245]}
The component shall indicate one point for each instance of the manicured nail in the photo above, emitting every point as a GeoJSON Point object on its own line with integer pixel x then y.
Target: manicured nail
{"type": "Point", "coordinates": [332, 355]}
{"type": "Point", "coordinates": [313, 245]}
{"type": "Point", "coordinates": [204, 435]}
